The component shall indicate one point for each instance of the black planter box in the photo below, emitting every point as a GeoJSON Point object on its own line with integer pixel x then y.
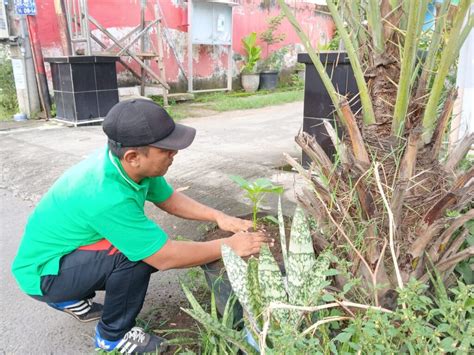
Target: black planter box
{"type": "Point", "coordinates": [318, 106]}
{"type": "Point", "coordinates": [85, 87]}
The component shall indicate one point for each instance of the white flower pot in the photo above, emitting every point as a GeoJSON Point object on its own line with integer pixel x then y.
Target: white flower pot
{"type": "Point", "coordinates": [250, 82]}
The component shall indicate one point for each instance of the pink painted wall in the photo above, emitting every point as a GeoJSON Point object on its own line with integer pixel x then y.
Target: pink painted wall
{"type": "Point", "coordinates": [119, 16]}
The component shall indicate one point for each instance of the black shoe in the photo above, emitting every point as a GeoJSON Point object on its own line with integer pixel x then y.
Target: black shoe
{"type": "Point", "coordinates": [84, 311]}
{"type": "Point", "coordinates": [135, 341]}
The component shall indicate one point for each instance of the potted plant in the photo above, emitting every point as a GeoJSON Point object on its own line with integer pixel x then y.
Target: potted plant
{"type": "Point", "coordinates": [273, 62]}
{"type": "Point", "coordinates": [250, 79]}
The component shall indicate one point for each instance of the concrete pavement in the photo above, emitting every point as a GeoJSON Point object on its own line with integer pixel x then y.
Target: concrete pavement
{"type": "Point", "coordinates": [246, 143]}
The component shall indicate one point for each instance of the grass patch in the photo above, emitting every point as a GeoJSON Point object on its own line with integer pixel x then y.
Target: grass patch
{"type": "Point", "coordinates": [206, 104]}
{"type": "Point", "coordinates": [231, 103]}
{"type": "Point", "coordinates": [6, 114]}
{"type": "Point", "coordinates": [176, 113]}
{"type": "Point", "coordinates": [240, 100]}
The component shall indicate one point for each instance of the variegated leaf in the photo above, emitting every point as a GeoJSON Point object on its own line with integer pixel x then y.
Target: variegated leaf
{"type": "Point", "coordinates": [232, 336]}
{"type": "Point", "coordinates": [281, 225]}
{"type": "Point", "coordinates": [237, 272]}
{"type": "Point", "coordinates": [271, 282]}
{"type": "Point", "coordinates": [255, 295]}
{"type": "Point", "coordinates": [300, 258]}
{"type": "Point", "coordinates": [314, 283]}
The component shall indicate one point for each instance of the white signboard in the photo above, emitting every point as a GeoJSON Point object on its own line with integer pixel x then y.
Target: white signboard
{"type": "Point", "coordinates": [3, 21]}
{"type": "Point", "coordinates": [19, 74]}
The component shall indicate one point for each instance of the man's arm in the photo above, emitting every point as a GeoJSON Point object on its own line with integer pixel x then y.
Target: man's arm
{"type": "Point", "coordinates": [179, 254]}
{"type": "Point", "coordinates": [180, 205]}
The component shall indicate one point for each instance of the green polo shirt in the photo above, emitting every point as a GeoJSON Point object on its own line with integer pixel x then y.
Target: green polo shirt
{"type": "Point", "coordinates": [93, 200]}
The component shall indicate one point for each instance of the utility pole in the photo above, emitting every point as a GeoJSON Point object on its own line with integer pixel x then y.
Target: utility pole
{"type": "Point", "coordinates": [23, 66]}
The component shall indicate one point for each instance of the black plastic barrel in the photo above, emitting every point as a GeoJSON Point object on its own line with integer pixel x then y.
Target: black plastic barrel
{"type": "Point", "coordinates": [318, 106]}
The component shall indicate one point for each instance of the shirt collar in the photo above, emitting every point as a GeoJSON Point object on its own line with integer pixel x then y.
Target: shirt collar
{"type": "Point", "coordinates": [116, 162]}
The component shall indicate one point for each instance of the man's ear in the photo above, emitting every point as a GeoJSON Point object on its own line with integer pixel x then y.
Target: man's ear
{"type": "Point", "coordinates": [132, 158]}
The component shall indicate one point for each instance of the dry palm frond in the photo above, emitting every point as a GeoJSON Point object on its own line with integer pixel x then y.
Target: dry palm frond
{"type": "Point", "coordinates": [388, 184]}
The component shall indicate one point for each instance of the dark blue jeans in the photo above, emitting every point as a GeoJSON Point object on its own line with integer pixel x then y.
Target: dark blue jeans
{"type": "Point", "coordinates": [83, 272]}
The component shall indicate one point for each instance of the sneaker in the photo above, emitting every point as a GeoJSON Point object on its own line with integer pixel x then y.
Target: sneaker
{"type": "Point", "coordinates": [135, 341]}
{"type": "Point", "coordinates": [84, 311]}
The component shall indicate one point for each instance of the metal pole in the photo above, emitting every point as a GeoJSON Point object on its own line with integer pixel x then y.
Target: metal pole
{"type": "Point", "coordinates": [169, 40]}
{"type": "Point", "coordinates": [142, 45]}
{"type": "Point", "coordinates": [190, 47]}
{"type": "Point", "coordinates": [63, 27]}
{"type": "Point", "coordinates": [85, 25]}
{"type": "Point", "coordinates": [159, 42]}
{"type": "Point", "coordinates": [24, 68]}
{"type": "Point", "coordinates": [230, 61]}
{"type": "Point", "coordinates": [39, 65]}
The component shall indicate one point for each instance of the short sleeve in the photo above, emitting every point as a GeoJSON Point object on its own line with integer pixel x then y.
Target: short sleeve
{"type": "Point", "coordinates": [128, 229]}
{"type": "Point", "coordinates": [159, 190]}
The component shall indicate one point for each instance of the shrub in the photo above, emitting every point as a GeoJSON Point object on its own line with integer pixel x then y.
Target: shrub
{"type": "Point", "coordinates": [8, 100]}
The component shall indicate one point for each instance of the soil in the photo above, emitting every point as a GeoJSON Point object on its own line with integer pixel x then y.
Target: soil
{"type": "Point", "coordinates": [179, 321]}
{"type": "Point", "coordinates": [270, 229]}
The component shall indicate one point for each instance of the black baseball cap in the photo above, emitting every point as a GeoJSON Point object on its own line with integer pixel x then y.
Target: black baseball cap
{"type": "Point", "coordinates": [141, 122]}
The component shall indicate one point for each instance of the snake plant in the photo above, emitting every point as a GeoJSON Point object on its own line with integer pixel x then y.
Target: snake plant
{"type": "Point", "coordinates": [258, 283]}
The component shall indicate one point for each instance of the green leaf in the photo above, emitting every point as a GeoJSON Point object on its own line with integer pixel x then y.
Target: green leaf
{"type": "Point", "coordinates": [263, 182]}
{"type": "Point", "coordinates": [281, 224]}
{"type": "Point", "coordinates": [316, 279]}
{"type": "Point", "coordinates": [465, 269]}
{"type": "Point", "coordinates": [301, 258]}
{"type": "Point", "coordinates": [448, 344]}
{"type": "Point", "coordinates": [443, 328]}
{"type": "Point", "coordinates": [237, 272]}
{"type": "Point", "coordinates": [253, 52]}
{"type": "Point", "coordinates": [228, 315]}
{"type": "Point", "coordinates": [272, 190]}
{"type": "Point", "coordinates": [213, 306]}
{"type": "Point", "coordinates": [253, 286]}
{"type": "Point", "coordinates": [271, 282]}
{"type": "Point", "coordinates": [327, 297]}
{"type": "Point", "coordinates": [271, 219]}
{"type": "Point", "coordinates": [330, 272]}
{"type": "Point", "coordinates": [343, 337]}
{"type": "Point", "coordinates": [240, 181]}
{"type": "Point", "coordinates": [347, 287]}
{"type": "Point", "coordinates": [470, 237]}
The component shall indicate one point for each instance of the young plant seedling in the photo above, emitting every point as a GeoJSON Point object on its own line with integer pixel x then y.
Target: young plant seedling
{"type": "Point", "coordinates": [255, 191]}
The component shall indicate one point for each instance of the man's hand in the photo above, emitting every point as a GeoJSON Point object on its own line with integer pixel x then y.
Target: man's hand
{"type": "Point", "coordinates": [245, 244]}
{"type": "Point", "coordinates": [179, 254]}
{"type": "Point", "coordinates": [232, 224]}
